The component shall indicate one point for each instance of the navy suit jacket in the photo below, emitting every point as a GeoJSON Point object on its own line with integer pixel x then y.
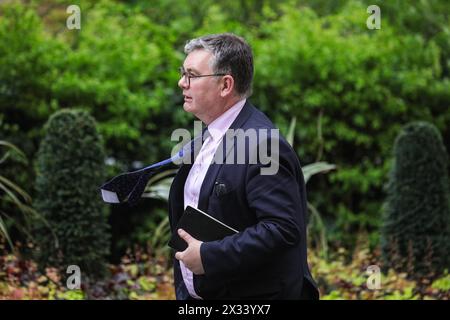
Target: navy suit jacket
{"type": "Point", "coordinates": [267, 258]}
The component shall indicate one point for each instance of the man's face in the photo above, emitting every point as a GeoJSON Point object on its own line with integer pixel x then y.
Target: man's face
{"type": "Point", "coordinates": [202, 96]}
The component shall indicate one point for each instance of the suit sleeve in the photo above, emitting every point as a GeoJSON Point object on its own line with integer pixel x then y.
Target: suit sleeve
{"type": "Point", "coordinates": [277, 203]}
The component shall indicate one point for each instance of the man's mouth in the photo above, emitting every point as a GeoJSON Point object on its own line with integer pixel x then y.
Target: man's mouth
{"type": "Point", "coordinates": [187, 98]}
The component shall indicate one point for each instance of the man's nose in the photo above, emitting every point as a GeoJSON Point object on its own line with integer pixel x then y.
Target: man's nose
{"type": "Point", "coordinates": [182, 83]}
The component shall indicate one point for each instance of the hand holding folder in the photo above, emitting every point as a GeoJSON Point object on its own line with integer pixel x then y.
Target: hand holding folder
{"type": "Point", "coordinates": [201, 226]}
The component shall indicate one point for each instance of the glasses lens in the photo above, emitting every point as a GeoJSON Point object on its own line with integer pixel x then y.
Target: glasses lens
{"type": "Point", "coordinates": [184, 74]}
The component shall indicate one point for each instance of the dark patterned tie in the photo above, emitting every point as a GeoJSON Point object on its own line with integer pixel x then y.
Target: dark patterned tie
{"type": "Point", "coordinates": [128, 187]}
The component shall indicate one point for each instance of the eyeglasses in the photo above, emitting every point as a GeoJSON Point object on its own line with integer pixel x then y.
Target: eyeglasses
{"type": "Point", "coordinates": [187, 76]}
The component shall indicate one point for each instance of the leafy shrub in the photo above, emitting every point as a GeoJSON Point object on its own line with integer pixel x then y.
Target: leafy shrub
{"type": "Point", "coordinates": [70, 168]}
{"type": "Point", "coordinates": [363, 85]}
{"type": "Point", "coordinates": [313, 59]}
{"type": "Point", "coordinates": [416, 227]}
{"type": "Point", "coordinates": [138, 276]}
{"type": "Point", "coordinates": [341, 278]}
{"type": "Point", "coordinates": [13, 196]}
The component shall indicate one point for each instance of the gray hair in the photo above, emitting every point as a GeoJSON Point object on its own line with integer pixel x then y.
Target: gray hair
{"type": "Point", "coordinates": [231, 55]}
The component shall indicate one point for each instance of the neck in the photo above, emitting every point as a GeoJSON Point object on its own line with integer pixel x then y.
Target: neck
{"type": "Point", "coordinates": [225, 107]}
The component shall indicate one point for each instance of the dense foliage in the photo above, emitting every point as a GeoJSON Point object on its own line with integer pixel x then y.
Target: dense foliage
{"type": "Point", "coordinates": [315, 60]}
{"type": "Point", "coordinates": [70, 169]}
{"type": "Point", "coordinates": [416, 227]}
{"type": "Point", "coordinates": [139, 276]}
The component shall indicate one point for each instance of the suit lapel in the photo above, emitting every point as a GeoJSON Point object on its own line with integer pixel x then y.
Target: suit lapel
{"type": "Point", "coordinates": [213, 170]}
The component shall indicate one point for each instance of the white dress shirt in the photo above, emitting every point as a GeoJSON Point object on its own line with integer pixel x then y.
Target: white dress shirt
{"type": "Point", "coordinates": [194, 181]}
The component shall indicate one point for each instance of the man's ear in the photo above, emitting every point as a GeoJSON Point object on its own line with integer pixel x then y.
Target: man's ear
{"type": "Point", "coordinates": [227, 85]}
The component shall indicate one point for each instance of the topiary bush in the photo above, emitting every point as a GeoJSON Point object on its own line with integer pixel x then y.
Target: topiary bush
{"type": "Point", "coordinates": [69, 169]}
{"type": "Point", "coordinates": [314, 60]}
{"type": "Point", "coordinates": [416, 226]}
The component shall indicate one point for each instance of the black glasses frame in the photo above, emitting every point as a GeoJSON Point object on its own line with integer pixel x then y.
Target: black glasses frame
{"type": "Point", "coordinates": [188, 77]}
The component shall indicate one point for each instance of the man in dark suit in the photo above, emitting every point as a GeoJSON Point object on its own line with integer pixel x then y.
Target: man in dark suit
{"type": "Point", "coordinates": [264, 201]}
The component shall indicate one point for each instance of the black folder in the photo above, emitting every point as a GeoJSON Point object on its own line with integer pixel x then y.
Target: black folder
{"type": "Point", "coordinates": [201, 226]}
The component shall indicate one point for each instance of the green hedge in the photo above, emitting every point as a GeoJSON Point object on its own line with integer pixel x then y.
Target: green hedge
{"type": "Point", "coordinates": [70, 169]}
{"type": "Point", "coordinates": [416, 226]}
{"type": "Point", "coordinates": [313, 60]}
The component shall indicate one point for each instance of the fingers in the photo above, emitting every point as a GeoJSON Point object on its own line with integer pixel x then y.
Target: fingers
{"type": "Point", "coordinates": [179, 255]}
{"type": "Point", "coordinates": [185, 236]}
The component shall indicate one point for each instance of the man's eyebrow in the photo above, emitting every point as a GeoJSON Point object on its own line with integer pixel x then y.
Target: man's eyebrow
{"type": "Point", "coordinates": [191, 70]}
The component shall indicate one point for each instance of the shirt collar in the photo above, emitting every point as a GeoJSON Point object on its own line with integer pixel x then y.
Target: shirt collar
{"type": "Point", "coordinates": [219, 126]}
